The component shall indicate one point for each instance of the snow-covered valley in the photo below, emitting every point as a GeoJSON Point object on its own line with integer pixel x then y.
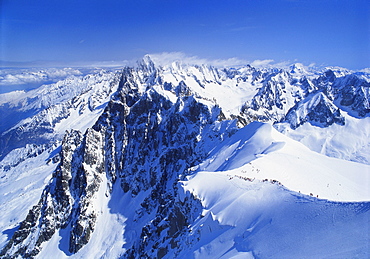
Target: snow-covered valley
{"type": "Point", "coordinates": [185, 161]}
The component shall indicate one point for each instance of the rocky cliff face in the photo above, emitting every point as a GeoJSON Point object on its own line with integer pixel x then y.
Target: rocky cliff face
{"type": "Point", "coordinates": [145, 141]}
{"type": "Point", "coordinates": [316, 109]}
{"type": "Point", "coordinates": [157, 125]}
{"type": "Point", "coordinates": [66, 200]}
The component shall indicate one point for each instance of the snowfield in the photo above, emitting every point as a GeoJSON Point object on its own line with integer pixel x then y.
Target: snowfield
{"type": "Point", "coordinates": [20, 187]}
{"type": "Point", "coordinates": [258, 151]}
{"type": "Point", "coordinates": [243, 219]}
{"type": "Point", "coordinates": [349, 142]}
{"type": "Point", "coordinates": [256, 190]}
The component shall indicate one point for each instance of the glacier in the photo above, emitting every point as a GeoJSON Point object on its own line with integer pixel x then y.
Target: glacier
{"type": "Point", "coordinates": [188, 161]}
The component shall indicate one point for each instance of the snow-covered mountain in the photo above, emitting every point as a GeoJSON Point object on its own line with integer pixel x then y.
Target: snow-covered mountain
{"type": "Point", "coordinates": [44, 114]}
{"type": "Point", "coordinates": [185, 161]}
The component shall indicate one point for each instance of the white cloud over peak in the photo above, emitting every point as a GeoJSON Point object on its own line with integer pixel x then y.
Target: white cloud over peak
{"type": "Point", "coordinates": [365, 70]}
{"type": "Point", "coordinates": [261, 63]}
{"type": "Point", "coordinates": [167, 58]}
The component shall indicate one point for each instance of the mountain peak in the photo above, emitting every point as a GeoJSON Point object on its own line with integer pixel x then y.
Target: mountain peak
{"type": "Point", "coordinates": [146, 63]}
{"type": "Point", "coordinates": [297, 68]}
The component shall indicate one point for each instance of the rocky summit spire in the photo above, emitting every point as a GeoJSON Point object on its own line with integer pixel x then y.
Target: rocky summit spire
{"type": "Point", "coordinates": [146, 64]}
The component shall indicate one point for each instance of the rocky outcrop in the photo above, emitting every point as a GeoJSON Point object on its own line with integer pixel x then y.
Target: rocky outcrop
{"type": "Point", "coordinates": [66, 201]}
{"type": "Point", "coordinates": [350, 92]}
{"type": "Point", "coordinates": [317, 110]}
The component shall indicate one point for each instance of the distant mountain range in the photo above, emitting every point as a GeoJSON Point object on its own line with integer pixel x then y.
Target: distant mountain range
{"type": "Point", "coordinates": [188, 161]}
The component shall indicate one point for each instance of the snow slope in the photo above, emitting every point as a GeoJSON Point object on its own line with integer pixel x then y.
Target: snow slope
{"type": "Point", "coordinates": [259, 151]}
{"type": "Point", "coordinates": [108, 238]}
{"type": "Point", "coordinates": [20, 187]}
{"type": "Point", "coordinates": [43, 115]}
{"type": "Point", "coordinates": [349, 141]}
{"type": "Point", "coordinates": [243, 219]}
{"type": "Point", "coordinates": [228, 91]}
{"type": "Point", "coordinates": [251, 211]}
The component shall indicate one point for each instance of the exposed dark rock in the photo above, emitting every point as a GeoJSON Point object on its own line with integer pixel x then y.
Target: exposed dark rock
{"type": "Point", "coordinates": [317, 110]}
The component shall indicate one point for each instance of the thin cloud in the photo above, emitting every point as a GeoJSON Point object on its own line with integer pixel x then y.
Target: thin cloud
{"type": "Point", "coordinates": [21, 77]}
{"type": "Point", "coordinates": [244, 28]}
{"type": "Point", "coordinates": [167, 58]}
{"type": "Point", "coordinates": [283, 64]}
{"type": "Point", "coordinates": [104, 64]}
{"type": "Point", "coordinates": [365, 70]}
{"type": "Point", "coordinates": [261, 63]}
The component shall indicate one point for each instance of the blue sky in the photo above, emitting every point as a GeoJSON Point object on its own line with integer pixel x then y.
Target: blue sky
{"type": "Point", "coordinates": [325, 32]}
